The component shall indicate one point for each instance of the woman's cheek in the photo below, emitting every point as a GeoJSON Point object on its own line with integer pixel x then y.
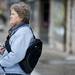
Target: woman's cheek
{"type": "Point", "coordinates": [12, 21]}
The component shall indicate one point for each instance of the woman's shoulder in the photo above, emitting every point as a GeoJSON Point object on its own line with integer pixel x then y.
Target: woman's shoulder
{"type": "Point", "coordinates": [23, 30]}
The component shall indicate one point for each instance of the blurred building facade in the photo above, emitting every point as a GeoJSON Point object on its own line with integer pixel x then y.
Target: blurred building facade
{"type": "Point", "coordinates": [62, 24]}
{"type": "Point", "coordinates": [53, 21]}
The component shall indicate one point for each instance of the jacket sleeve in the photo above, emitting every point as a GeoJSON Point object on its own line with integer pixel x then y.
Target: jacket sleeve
{"type": "Point", "coordinates": [19, 46]}
{"type": "Point", "coordinates": [4, 54]}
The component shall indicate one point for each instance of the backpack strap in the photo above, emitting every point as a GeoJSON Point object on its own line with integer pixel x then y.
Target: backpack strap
{"type": "Point", "coordinates": [31, 31]}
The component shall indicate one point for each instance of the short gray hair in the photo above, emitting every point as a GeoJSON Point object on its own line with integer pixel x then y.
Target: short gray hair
{"type": "Point", "coordinates": [23, 10]}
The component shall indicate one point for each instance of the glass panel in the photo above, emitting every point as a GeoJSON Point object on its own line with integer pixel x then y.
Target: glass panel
{"type": "Point", "coordinates": [58, 21]}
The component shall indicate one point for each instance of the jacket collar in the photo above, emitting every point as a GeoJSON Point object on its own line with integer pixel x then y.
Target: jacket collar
{"type": "Point", "coordinates": [14, 28]}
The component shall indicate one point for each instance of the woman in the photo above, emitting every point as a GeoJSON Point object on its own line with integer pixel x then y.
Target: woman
{"type": "Point", "coordinates": [19, 41]}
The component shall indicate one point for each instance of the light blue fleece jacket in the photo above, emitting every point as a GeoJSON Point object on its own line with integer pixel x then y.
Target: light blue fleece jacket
{"type": "Point", "coordinates": [19, 43]}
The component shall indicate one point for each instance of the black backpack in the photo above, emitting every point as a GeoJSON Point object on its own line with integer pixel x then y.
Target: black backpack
{"type": "Point", "coordinates": [32, 55]}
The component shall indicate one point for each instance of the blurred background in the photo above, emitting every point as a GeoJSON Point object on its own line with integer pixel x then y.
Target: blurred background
{"type": "Point", "coordinates": [54, 22]}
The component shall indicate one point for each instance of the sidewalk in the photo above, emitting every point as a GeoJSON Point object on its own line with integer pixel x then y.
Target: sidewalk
{"type": "Point", "coordinates": [55, 63]}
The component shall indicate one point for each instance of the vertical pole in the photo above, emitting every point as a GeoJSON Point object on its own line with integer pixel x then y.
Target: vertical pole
{"type": "Point", "coordinates": [70, 51]}
{"type": "Point", "coordinates": [65, 19]}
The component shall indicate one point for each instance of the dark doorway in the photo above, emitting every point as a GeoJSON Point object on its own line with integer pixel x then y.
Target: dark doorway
{"type": "Point", "coordinates": [44, 24]}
